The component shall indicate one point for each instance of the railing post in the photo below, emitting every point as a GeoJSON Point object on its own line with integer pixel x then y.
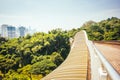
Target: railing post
{"type": "Point", "coordinates": [110, 70]}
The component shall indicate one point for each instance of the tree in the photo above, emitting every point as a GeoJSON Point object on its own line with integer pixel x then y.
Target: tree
{"type": "Point", "coordinates": [43, 67]}
{"type": "Point", "coordinates": [57, 58]}
{"type": "Point", "coordinates": [104, 30]}
{"type": "Point", "coordinates": [2, 40]}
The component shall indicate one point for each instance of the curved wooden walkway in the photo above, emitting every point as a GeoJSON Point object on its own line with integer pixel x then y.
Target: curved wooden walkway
{"type": "Point", "coordinates": [75, 67]}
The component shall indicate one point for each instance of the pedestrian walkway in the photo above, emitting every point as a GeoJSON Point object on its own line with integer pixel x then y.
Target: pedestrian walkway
{"type": "Point", "coordinates": [85, 62]}
{"type": "Point", "coordinates": [112, 55]}
{"type": "Point", "coordinates": [75, 67]}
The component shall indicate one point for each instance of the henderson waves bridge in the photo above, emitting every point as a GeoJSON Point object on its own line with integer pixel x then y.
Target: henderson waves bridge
{"type": "Point", "coordinates": [84, 62]}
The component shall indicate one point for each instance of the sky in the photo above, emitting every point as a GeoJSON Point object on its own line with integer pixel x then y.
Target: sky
{"type": "Point", "coordinates": [45, 15]}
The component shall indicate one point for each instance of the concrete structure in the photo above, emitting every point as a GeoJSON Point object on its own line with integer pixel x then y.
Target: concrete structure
{"type": "Point", "coordinates": [11, 31]}
{"type": "Point", "coordinates": [22, 31]}
{"type": "Point", "coordinates": [109, 53]}
{"type": "Point", "coordinates": [8, 31]}
{"type": "Point", "coordinates": [4, 30]}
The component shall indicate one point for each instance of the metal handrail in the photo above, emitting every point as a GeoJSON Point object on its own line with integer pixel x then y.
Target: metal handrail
{"type": "Point", "coordinates": [111, 71]}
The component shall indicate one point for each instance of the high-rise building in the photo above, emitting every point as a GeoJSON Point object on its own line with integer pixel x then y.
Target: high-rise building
{"type": "Point", "coordinates": [8, 31]}
{"type": "Point", "coordinates": [22, 31]}
{"type": "Point", "coordinates": [4, 30]}
{"type": "Point", "coordinates": [11, 32]}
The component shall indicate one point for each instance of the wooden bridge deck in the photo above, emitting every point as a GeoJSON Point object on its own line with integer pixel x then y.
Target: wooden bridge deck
{"type": "Point", "coordinates": [75, 67]}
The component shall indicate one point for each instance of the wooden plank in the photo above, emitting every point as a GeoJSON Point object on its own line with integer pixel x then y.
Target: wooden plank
{"type": "Point", "coordinates": [75, 67]}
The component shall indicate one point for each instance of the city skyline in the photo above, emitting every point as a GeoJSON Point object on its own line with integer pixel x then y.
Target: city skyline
{"type": "Point", "coordinates": [50, 14]}
{"type": "Point", "coordinates": [9, 31]}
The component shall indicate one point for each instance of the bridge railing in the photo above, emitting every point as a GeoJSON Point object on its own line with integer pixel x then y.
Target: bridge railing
{"type": "Point", "coordinates": [111, 71]}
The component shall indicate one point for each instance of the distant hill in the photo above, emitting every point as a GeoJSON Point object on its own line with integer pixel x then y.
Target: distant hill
{"type": "Point", "coordinates": [108, 29]}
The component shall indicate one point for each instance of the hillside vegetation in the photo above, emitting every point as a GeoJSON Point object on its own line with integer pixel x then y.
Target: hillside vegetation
{"type": "Point", "coordinates": [104, 30]}
{"type": "Point", "coordinates": [33, 57]}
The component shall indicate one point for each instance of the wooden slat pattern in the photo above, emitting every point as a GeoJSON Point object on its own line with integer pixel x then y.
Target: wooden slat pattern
{"type": "Point", "coordinates": [75, 67]}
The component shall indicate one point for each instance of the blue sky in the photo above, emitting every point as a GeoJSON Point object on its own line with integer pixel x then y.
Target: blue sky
{"type": "Point", "coordinates": [44, 15]}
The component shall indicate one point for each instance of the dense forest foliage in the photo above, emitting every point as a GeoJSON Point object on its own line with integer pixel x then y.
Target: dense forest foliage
{"type": "Point", "coordinates": [104, 30]}
{"type": "Point", "coordinates": [32, 57]}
